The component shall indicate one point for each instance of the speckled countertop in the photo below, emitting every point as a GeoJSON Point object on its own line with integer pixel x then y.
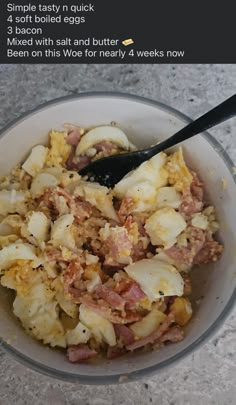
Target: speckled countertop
{"type": "Point", "coordinates": [209, 375]}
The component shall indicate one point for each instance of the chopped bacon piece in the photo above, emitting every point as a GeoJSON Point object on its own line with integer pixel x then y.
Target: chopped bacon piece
{"type": "Point", "coordinates": [174, 334]}
{"type": "Point", "coordinates": [82, 161]}
{"type": "Point", "coordinates": [59, 191]}
{"type": "Point", "coordinates": [70, 164]}
{"type": "Point", "coordinates": [139, 252]}
{"type": "Point", "coordinates": [111, 297]}
{"type": "Point", "coordinates": [73, 138]}
{"type": "Point", "coordinates": [124, 333]}
{"type": "Point", "coordinates": [133, 295]}
{"type": "Point", "coordinates": [80, 209]}
{"type": "Point", "coordinates": [80, 353]}
{"type": "Point", "coordinates": [196, 181]}
{"type": "Point", "coordinates": [105, 146]}
{"type": "Point", "coordinates": [197, 192]}
{"type": "Point", "coordinates": [140, 221]}
{"type": "Point", "coordinates": [139, 249]}
{"type": "Point", "coordinates": [190, 204]}
{"type": "Point", "coordinates": [129, 223]}
{"type": "Point", "coordinates": [47, 207]}
{"type": "Point", "coordinates": [130, 291]}
{"type": "Point", "coordinates": [54, 255]}
{"type": "Point", "coordinates": [58, 198]}
{"type": "Point", "coordinates": [186, 254]}
{"type": "Point", "coordinates": [198, 251]}
{"type": "Point", "coordinates": [73, 134]}
{"type": "Point", "coordinates": [76, 294]}
{"type": "Point", "coordinates": [77, 162]}
{"type": "Point", "coordinates": [72, 274]}
{"type": "Point", "coordinates": [122, 285]}
{"type": "Point", "coordinates": [113, 352]}
{"type": "Point", "coordinates": [155, 336]}
{"type": "Point", "coordinates": [126, 208]}
{"type": "Point", "coordinates": [169, 301]}
{"type": "Point", "coordinates": [210, 252]}
{"type": "Point", "coordinates": [197, 187]}
{"type": "Point", "coordinates": [102, 308]}
{"type": "Point", "coordinates": [181, 254]}
{"type": "Point", "coordinates": [192, 201]}
{"type": "Point", "coordinates": [196, 237]}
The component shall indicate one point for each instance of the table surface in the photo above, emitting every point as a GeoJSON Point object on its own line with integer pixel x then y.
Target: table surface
{"type": "Point", "coordinates": [209, 375]}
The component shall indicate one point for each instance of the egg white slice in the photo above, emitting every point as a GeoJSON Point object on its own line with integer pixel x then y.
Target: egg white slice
{"type": "Point", "coordinates": [148, 324]}
{"type": "Point", "coordinates": [12, 201]}
{"type": "Point", "coordinates": [41, 182]}
{"type": "Point", "coordinates": [156, 278]}
{"type": "Point", "coordinates": [100, 327]}
{"type": "Point", "coordinates": [80, 334]}
{"type": "Point", "coordinates": [151, 172]}
{"type": "Point", "coordinates": [38, 226]}
{"type": "Point", "coordinates": [35, 162]}
{"type": "Point", "coordinates": [164, 226]}
{"type": "Point", "coordinates": [168, 197]}
{"type": "Point", "coordinates": [16, 251]}
{"type": "Point", "coordinates": [61, 232]}
{"type": "Point", "coordinates": [100, 134]}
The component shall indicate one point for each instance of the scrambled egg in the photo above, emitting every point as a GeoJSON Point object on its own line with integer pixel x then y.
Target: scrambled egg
{"type": "Point", "coordinates": [59, 150]}
{"type": "Point", "coordinates": [178, 173]}
{"type": "Point", "coordinates": [20, 277]}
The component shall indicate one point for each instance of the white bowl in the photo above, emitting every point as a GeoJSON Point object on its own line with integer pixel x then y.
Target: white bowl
{"type": "Point", "coordinates": [145, 122]}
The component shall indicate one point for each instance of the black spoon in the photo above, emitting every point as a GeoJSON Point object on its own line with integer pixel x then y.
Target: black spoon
{"type": "Point", "coordinates": [110, 170]}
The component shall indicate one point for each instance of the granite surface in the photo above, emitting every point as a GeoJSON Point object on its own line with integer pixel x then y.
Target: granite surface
{"type": "Point", "coordinates": [209, 375]}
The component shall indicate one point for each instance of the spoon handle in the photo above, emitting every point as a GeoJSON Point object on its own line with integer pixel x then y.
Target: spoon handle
{"type": "Point", "coordinates": [219, 114]}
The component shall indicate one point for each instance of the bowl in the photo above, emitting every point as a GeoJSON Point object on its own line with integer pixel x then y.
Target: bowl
{"type": "Point", "coordinates": [145, 122]}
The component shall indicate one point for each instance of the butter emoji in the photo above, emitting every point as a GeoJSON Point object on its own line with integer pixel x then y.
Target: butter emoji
{"type": "Point", "coordinates": [128, 42]}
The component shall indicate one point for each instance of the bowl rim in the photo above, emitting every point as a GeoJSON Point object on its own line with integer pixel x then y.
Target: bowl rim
{"type": "Point", "coordinates": [151, 370]}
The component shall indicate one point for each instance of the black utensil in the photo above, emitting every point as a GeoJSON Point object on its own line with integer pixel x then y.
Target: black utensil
{"type": "Point", "coordinates": [110, 170]}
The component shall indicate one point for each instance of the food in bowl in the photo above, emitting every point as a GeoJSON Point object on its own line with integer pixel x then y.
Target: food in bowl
{"type": "Point", "coordinates": [99, 271]}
